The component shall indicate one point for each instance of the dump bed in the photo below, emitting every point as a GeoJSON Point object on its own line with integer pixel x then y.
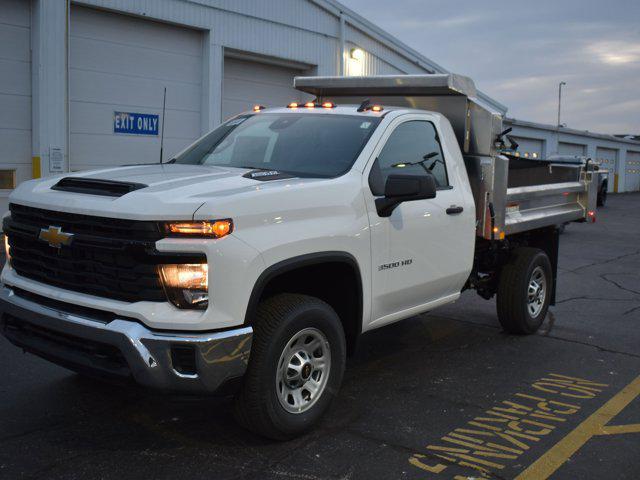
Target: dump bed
{"type": "Point", "coordinates": [512, 195]}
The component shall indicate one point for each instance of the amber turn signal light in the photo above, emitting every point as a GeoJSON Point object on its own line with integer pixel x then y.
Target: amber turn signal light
{"type": "Point", "coordinates": [215, 229]}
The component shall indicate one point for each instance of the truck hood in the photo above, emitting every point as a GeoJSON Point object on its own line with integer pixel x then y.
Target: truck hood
{"type": "Point", "coordinates": [172, 192]}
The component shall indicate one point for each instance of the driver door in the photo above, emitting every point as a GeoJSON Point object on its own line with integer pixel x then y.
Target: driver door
{"type": "Point", "coordinates": [420, 254]}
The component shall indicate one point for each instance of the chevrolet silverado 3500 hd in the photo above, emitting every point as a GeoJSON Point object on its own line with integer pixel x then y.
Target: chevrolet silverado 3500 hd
{"type": "Point", "coordinates": [252, 261]}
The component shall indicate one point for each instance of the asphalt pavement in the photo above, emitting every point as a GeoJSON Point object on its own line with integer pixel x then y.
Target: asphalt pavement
{"type": "Point", "coordinates": [442, 395]}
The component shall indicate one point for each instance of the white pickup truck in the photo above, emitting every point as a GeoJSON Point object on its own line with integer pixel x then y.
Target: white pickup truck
{"type": "Point", "coordinates": [252, 261]}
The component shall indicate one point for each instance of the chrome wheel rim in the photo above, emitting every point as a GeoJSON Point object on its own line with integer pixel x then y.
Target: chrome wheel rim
{"type": "Point", "coordinates": [303, 370]}
{"type": "Point", "coordinates": [536, 292]}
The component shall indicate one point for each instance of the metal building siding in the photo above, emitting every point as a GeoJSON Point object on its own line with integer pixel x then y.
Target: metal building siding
{"type": "Point", "coordinates": [566, 148]}
{"type": "Point", "coordinates": [379, 55]}
{"type": "Point", "coordinates": [122, 63]}
{"type": "Point", "coordinates": [249, 83]}
{"type": "Point", "coordinates": [302, 14]}
{"type": "Point", "coordinates": [299, 40]}
{"type": "Point", "coordinates": [528, 146]}
{"type": "Point", "coordinates": [15, 91]}
{"type": "Point", "coordinates": [296, 30]}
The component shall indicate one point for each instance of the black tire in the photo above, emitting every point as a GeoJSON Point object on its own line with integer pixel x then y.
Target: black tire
{"type": "Point", "coordinates": [602, 196]}
{"type": "Point", "coordinates": [512, 300]}
{"type": "Point", "coordinates": [279, 318]}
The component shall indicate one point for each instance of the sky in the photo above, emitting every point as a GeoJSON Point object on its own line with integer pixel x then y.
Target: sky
{"type": "Point", "coordinates": [517, 52]}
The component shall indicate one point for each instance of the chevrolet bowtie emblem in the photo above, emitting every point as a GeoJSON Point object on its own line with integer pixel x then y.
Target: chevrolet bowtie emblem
{"type": "Point", "coordinates": [55, 237]}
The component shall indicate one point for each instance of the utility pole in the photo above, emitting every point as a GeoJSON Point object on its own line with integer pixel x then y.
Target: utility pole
{"type": "Point", "coordinates": [560, 101]}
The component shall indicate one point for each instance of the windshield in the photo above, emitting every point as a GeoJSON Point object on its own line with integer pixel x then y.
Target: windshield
{"type": "Point", "coordinates": [300, 144]}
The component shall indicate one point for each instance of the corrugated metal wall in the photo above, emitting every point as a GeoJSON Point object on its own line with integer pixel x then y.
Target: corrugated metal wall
{"type": "Point", "coordinates": [297, 30]}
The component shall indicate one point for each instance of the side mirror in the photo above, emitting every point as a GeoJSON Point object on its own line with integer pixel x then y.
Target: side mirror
{"type": "Point", "coordinates": [405, 188]}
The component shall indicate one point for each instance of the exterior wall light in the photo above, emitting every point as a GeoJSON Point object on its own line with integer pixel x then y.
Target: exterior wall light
{"type": "Point", "coordinates": [357, 54]}
{"type": "Point", "coordinates": [356, 62]}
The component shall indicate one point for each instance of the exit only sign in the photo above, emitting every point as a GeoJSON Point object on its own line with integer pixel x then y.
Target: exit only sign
{"type": "Point", "coordinates": [135, 123]}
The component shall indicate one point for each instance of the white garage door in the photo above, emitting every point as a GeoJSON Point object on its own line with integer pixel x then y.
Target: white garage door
{"type": "Point", "coordinates": [15, 96]}
{"type": "Point", "coordinates": [247, 83]}
{"type": "Point", "coordinates": [632, 173]}
{"type": "Point", "coordinates": [529, 147]}
{"type": "Point", "coordinates": [122, 64]}
{"type": "Point", "coordinates": [609, 159]}
{"type": "Point", "coordinates": [574, 149]}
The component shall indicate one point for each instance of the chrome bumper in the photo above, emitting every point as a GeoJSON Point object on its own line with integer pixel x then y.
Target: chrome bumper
{"type": "Point", "coordinates": [125, 348]}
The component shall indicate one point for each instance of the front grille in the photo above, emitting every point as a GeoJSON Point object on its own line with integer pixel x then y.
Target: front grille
{"type": "Point", "coordinates": [107, 228]}
{"type": "Point", "coordinates": [108, 257]}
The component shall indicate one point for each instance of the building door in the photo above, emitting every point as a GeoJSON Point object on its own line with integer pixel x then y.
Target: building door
{"type": "Point", "coordinates": [122, 64]}
{"type": "Point", "coordinates": [572, 149]}
{"type": "Point", "coordinates": [247, 83]}
{"type": "Point", "coordinates": [15, 96]}
{"type": "Point", "coordinates": [609, 160]}
{"type": "Point", "coordinates": [632, 172]}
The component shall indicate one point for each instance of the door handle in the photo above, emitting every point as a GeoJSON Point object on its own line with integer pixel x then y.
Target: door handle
{"type": "Point", "coordinates": [454, 210]}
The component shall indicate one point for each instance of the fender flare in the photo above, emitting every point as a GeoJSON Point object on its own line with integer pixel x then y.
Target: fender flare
{"type": "Point", "coordinates": [306, 260]}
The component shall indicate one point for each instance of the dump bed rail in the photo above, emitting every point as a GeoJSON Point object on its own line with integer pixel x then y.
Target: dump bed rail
{"type": "Point", "coordinates": [514, 195]}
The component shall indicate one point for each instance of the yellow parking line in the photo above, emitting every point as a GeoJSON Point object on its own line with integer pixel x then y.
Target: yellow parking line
{"type": "Point", "coordinates": [618, 429]}
{"type": "Point", "coordinates": [594, 425]}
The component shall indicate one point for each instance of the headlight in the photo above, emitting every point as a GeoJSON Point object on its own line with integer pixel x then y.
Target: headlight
{"type": "Point", "coordinates": [186, 285]}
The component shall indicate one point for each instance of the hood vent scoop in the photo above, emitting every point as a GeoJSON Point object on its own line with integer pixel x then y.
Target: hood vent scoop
{"type": "Point", "coordinates": [94, 186]}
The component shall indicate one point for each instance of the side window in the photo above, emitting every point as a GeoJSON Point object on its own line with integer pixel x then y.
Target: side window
{"type": "Point", "coordinates": [414, 149]}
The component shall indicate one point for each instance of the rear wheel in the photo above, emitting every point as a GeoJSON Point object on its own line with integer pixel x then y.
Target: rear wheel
{"type": "Point", "coordinates": [524, 291]}
{"type": "Point", "coordinates": [602, 196]}
{"type": "Point", "coordinates": [295, 368]}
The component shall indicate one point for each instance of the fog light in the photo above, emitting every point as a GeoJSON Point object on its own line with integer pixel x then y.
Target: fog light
{"type": "Point", "coordinates": [186, 285]}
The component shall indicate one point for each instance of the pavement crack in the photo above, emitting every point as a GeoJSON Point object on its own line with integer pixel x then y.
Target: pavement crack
{"type": "Point", "coordinates": [603, 262]}
{"type": "Point", "coordinates": [584, 297]}
{"type": "Point", "coordinates": [587, 344]}
{"type": "Point", "coordinates": [631, 310]}
{"type": "Point", "coordinates": [603, 276]}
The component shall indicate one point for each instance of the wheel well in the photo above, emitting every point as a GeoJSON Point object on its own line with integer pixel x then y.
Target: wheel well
{"type": "Point", "coordinates": [546, 239]}
{"type": "Point", "coordinates": [490, 257]}
{"type": "Point", "coordinates": [334, 279]}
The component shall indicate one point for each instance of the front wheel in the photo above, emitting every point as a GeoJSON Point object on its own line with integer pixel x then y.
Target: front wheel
{"type": "Point", "coordinates": [295, 368]}
{"type": "Point", "coordinates": [524, 291]}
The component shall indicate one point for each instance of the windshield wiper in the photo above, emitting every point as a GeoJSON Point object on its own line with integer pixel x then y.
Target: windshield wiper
{"type": "Point", "coordinates": [250, 167]}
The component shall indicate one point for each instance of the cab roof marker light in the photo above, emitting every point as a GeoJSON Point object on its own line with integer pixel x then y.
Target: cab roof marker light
{"type": "Point", "coordinates": [328, 105]}
{"type": "Point", "coordinates": [257, 108]}
{"type": "Point", "coordinates": [293, 105]}
{"type": "Point", "coordinates": [310, 105]}
{"type": "Point", "coordinates": [365, 107]}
